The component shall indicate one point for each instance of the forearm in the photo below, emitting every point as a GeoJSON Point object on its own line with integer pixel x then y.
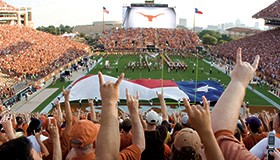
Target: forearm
{"type": "Point", "coordinates": [138, 137]}
{"type": "Point", "coordinates": [231, 99]}
{"type": "Point", "coordinates": [92, 113]}
{"type": "Point", "coordinates": [10, 134]}
{"type": "Point", "coordinates": [211, 147]}
{"type": "Point", "coordinates": [144, 125]}
{"type": "Point", "coordinates": [108, 138]}
{"type": "Point", "coordinates": [68, 117]}
{"type": "Point", "coordinates": [163, 110]}
{"type": "Point", "coordinates": [44, 149]}
{"type": "Point", "coordinates": [59, 114]}
{"type": "Point", "coordinates": [57, 153]}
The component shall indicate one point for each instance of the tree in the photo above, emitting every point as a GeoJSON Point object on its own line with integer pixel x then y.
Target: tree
{"type": "Point", "coordinates": [56, 30]}
{"type": "Point", "coordinates": [207, 37]}
{"type": "Point", "coordinates": [209, 40]}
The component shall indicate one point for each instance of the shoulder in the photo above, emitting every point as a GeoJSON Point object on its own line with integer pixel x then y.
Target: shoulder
{"type": "Point", "coordinates": [130, 153]}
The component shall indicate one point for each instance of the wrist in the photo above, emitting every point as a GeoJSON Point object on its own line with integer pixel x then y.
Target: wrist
{"type": "Point", "coordinates": [239, 83]}
{"type": "Point", "coordinates": [109, 104]}
{"type": "Point", "coordinates": [55, 136]}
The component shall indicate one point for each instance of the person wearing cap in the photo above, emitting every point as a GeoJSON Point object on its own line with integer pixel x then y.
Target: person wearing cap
{"type": "Point", "coordinates": [185, 121]}
{"type": "Point", "coordinates": [260, 148]}
{"type": "Point", "coordinates": [108, 139]}
{"type": "Point", "coordinates": [82, 137]}
{"type": "Point", "coordinates": [187, 145]}
{"type": "Point", "coordinates": [254, 124]}
{"type": "Point", "coordinates": [65, 134]}
{"type": "Point", "coordinates": [226, 111]}
{"type": "Point", "coordinates": [155, 135]}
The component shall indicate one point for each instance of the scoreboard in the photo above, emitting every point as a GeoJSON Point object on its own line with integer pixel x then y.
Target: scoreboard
{"type": "Point", "coordinates": [139, 15]}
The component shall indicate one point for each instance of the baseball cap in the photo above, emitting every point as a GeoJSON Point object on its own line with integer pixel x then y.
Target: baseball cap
{"type": "Point", "coordinates": [185, 119]}
{"type": "Point", "coordinates": [254, 123]}
{"type": "Point", "coordinates": [84, 133]}
{"type": "Point", "coordinates": [152, 117]}
{"type": "Point", "coordinates": [187, 137]}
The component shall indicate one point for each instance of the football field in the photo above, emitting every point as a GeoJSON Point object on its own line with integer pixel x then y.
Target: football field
{"type": "Point", "coordinates": [120, 63]}
{"type": "Point", "coordinates": [204, 71]}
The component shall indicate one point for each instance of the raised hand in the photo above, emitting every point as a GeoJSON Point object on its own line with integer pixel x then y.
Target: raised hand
{"type": "Point", "coordinates": [243, 72]}
{"type": "Point", "coordinates": [132, 103]}
{"type": "Point", "coordinates": [109, 91]}
{"type": "Point", "coordinates": [199, 116]}
{"type": "Point", "coordinates": [52, 128]}
{"type": "Point", "coordinates": [66, 93]}
{"type": "Point", "coordinates": [160, 95]}
{"type": "Point", "coordinates": [90, 102]}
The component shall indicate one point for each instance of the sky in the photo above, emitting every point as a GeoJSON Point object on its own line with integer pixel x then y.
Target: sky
{"type": "Point", "coordinates": [84, 12]}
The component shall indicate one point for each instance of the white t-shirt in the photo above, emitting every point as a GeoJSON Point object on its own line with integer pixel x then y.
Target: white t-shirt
{"type": "Point", "coordinates": [34, 142]}
{"type": "Point", "coordinates": [260, 148]}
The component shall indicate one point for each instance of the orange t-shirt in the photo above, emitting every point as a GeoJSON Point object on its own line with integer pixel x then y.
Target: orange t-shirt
{"type": "Point", "coordinates": [65, 146]}
{"type": "Point", "coordinates": [231, 148]}
{"type": "Point", "coordinates": [130, 153]}
{"type": "Point", "coordinates": [252, 140]}
{"type": "Point", "coordinates": [126, 140]}
{"type": "Point", "coordinates": [90, 156]}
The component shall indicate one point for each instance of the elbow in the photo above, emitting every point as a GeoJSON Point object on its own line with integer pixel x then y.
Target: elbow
{"type": "Point", "coordinates": [142, 147]}
{"type": "Point", "coordinates": [46, 154]}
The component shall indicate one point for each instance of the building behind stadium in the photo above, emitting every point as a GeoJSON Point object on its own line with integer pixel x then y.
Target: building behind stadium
{"type": "Point", "coordinates": [12, 15]}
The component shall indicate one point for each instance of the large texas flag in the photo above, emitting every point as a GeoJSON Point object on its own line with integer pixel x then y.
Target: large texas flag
{"type": "Point", "coordinates": [88, 87]}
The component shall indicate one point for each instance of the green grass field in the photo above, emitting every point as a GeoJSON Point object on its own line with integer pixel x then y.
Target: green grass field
{"type": "Point", "coordinates": [120, 61]}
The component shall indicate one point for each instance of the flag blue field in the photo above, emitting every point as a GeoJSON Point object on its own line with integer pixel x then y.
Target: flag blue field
{"type": "Point", "coordinates": [212, 90]}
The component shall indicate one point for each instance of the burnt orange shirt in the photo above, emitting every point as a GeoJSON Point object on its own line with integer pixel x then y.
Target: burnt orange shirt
{"type": "Point", "coordinates": [65, 146]}
{"type": "Point", "coordinates": [231, 148]}
{"type": "Point", "coordinates": [252, 140]}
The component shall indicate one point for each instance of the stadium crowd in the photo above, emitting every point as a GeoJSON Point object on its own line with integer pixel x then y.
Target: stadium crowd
{"type": "Point", "coordinates": [196, 134]}
{"type": "Point", "coordinates": [25, 51]}
{"type": "Point", "coordinates": [140, 38]}
{"type": "Point", "coordinates": [265, 44]}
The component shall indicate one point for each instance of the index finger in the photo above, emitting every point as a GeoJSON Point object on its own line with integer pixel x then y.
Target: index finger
{"type": "Point", "coordinates": [101, 80]}
{"type": "Point", "coordinates": [187, 105]}
{"type": "Point", "coordinates": [137, 95]}
{"type": "Point", "coordinates": [119, 79]}
{"type": "Point", "coordinates": [238, 56]}
{"type": "Point", "coordinates": [256, 62]}
{"type": "Point", "coordinates": [205, 103]}
{"type": "Point", "coordinates": [127, 93]}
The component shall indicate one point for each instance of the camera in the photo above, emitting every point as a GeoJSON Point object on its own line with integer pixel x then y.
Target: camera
{"type": "Point", "coordinates": [270, 145]}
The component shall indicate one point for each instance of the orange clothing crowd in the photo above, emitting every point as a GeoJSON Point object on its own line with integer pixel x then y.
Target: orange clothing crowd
{"type": "Point", "coordinates": [139, 38]}
{"type": "Point", "coordinates": [265, 44]}
{"type": "Point", "coordinates": [27, 51]}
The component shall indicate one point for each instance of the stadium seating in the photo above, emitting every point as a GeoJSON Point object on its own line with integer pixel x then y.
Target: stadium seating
{"type": "Point", "coordinates": [139, 38]}
{"type": "Point", "coordinates": [265, 44]}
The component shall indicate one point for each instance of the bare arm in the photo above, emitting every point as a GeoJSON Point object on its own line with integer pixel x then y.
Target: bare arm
{"type": "Point", "coordinates": [163, 107]}
{"type": "Point", "coordinates": [138, 137]}
{"type": "Point", "coordinates": [201, 121]}
{"type": "Point", "coordinates": [44, 149]}
{"type": "Point", "coordinates": [57, 153]}
{"type": "Point", "coordinates": [227, 108]}
{"type": "Point", "coordinates": [143, 122]}
{"type": "Point", "coordinates": [67, 111]}
{"type": "Point", "coordinates": [59, 113]}
{"type": "Point", "coordinates": [92, 110]}
{"type": "Point", "coordinates": [108, 138]}
{"type": "Point", "coordinates": [8, 127]}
